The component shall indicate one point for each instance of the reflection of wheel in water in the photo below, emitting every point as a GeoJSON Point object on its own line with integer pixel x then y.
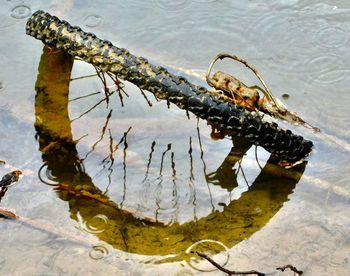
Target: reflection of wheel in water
{"type": "Point", "coordinates": [122, 228]}
{"type": "Point", "coordinates": [231, 118]}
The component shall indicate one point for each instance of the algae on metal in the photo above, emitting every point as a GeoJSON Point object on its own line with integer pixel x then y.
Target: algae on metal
{"type": "Point", "coordinates": [123, 230]}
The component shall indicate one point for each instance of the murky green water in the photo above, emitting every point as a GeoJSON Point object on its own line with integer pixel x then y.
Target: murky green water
{"type": "Point", "coordinates": [144, 185]}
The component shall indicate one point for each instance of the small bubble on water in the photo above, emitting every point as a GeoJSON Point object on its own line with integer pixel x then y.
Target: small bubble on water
{"type": "Point", "coordinates": [285, 96]}
{"type": "Point", "coordinates": [20, 12]}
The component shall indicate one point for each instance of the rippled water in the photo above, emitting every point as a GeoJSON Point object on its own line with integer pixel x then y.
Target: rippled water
{"type": "Point", "coordinates": [144, 186]}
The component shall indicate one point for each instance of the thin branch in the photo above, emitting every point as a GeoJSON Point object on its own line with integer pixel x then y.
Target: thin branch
{"type": "Point", "coordinates": [147, 100]}
{"type": "Point", "coordinates": [229, 272]}
{"type": "Point", "coordinates": [292, 268]}
{"type": "Point", "coordinates": [102, 77]}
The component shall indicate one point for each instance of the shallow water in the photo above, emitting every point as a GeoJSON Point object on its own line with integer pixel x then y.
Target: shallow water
{"type": "Point", "coordinates": [170, 187]}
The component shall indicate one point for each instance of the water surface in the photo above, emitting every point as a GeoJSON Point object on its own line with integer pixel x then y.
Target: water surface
{"type": "Point", "coordinates": [170, 187]}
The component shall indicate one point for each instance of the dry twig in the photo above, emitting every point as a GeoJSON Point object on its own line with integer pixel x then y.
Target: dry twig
{"type": "Point", "coordinates": [249, 272]}
{"type": "Point", "coordinates": [292, 268]}
{"type": "Point", "coordinates": [229, 272]}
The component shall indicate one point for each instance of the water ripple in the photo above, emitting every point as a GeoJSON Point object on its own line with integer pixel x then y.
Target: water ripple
{"type": "Point", "coordinates": [332, 37]}
{"type": "Point", "coordinates": [95, 225]}
{"type": "Point", "coordinates": [212, 249]}
{"type": "Point", "coordinates": [205, 1]}
{"type": "Point", "coordinates": [275, 34]}
{"type": "Point", "coordinates": [174, 5]}
{"type": "Point", "coordinates": [340, 257]}
{"type": "Point", "coordinates": [20, 11]}
{"type": "Point", "coordinates": [35, 237]}
{"type": "Point", "coordinates": [326, 69]}
{"type": "Point", "coordinates": [6, 21]}
{"type": "Point", "coordinates": [46, 176]}
{"type": "Point", "coordinates": [92, 20]}
{"type": "Point", "coordinates": [98, 252]}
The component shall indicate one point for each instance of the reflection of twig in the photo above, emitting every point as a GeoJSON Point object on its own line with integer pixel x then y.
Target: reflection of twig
{"type": "Point", "coordinates": [149, 161]}
{"type": "Point", "coordinates": [111, 153]}
{"type": "Point", "coordinates": [117, 145]}
{"type": "Point", "coordinates": [173, 165]}
{"type": "Point", "coordinates": [162, 160]}
{"type": "Point", "coordinates": [229, 272]}
{"type": "Point", "coordinates": [85, 96]}
{"type": "Point", "coordinates": [83, 77]}
{"type": "Point", "coordinates": [204, 165]}
{"type": "Point", "coordinates": [101, 137]}
{"type": "Point", "coordinates": [292, 268]}
{"type": "Point", "coordinates": [192, 180]}
{"type": "Point", "coordinates": [174, 179]}
{"type": "Point", "coordinates": [256, 157]}
{"type": "Point", "coordinates": [124, 168]}
{"type": "Point", "coordinates": [90, 109]}
{"type": "Point", "coordinates": [81, 138]}
{"type": "Point", "coordinates": [159, 185]}
{"type": "Point", "coordinates": [111, 157]}
{"type": "Point", "coordinates": [191, 161]}
{"type": "Point", "coordinates": [241, 169]}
